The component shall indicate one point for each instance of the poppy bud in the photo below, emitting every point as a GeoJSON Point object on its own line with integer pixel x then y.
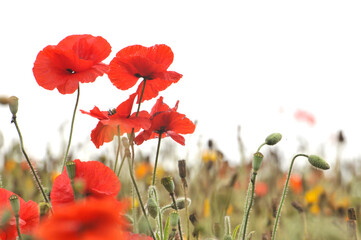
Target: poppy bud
{"type": "Point", "coordinates": [182, 169]}
{"type": "Point", "coordinates": [168, 184]}
{"type": "Point", "coordinates": [152, 207]}
{"type": "Point", "coordinates": [15, 204]}
{"type": "Point", "coordinates": [173, 219]}
{"type": "Point", "coordinates": [13, 105]}
{"type": "Point", "coordinates": [273, 139]}
{"type": "Point", "coordinates": [257, 161]}
{"type": "Point", "coordinates": [318, 162]}
{"type": "Point", "coordinates": [181, 203]}
{"type": "Point", "coordinates": [71, 170]}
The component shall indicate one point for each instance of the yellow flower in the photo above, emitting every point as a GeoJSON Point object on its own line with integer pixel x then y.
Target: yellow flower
{"type": "Point", "coordinates": [206, 208]}
{"type": "Point", "coordinates": [209, 156]}
{"type": "Point", "coordinates": [10, 165]}
{"type": "Point", "coordinates": [312, 196]}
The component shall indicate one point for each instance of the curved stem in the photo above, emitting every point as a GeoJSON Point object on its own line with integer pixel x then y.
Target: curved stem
{"type": "Point", "coordinates": [156, 158]}
{"type": "Point", "coordinates": [37, 179]}
{"type": "Point", "coordinates": [118, 151]}
{"type": "Point", "coordinates": [259, 148]}
{"type": "Point", "coordinates": [71, 129]}
{"type": "Point", "coordinates": [139, 197]}
{"type": "Point", "coordinates": [284, 195]}
{"type": "Point", "coordinates": [253, 182]}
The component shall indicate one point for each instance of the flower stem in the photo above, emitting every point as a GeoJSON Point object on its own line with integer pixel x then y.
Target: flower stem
{"type": "Point", "coordinates": [141, 97]}
{"type": "Point", "coordinates": [253, 183]}
{"type": "Point", "coordinates": [176, 208]}
{"type": "Point", "coordinates": [71, 129]}
{"type": "Point", "coordinates": [139, 196]}
{"type": "Point", "coordinates": [284, 196]}
{"type": "Point", "coordinates": [37, 179]}
{"type": "Point", "coordinates": [186, 208]}
{"type": "Point", "coordinates": [18, 226]}
{"type": "Point", "coordinates": [121, 165]}
{"type": "Point", "coordinates": [156, 158]}
{"type": "Point", "coordinates": [118, 151]}
{"type": "Point", "coordinates": [153, 190]}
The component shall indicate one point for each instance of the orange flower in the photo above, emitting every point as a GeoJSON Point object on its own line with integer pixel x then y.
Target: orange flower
{"type": "Point", "coordinates": [296, 183]}
{"type": "Point", "coordinates": [261, 189]}
{"type": "Point", "coordinates": [92, 219]}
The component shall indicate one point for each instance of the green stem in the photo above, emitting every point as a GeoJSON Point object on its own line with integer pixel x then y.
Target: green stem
{"type": "Point", "coordinates": [156, 158]}
{"type": "Point", "coordinates": [176, 208]}
{"type": "Point", "coordinates": [139, 197]}
{"type": "Point", "coordinates": [18, 226]}
{"type": "Point", "coordinates": [37, 179]}
{"type": "Point", "coordinates": [253, 182]}
{"type": "Point", "coordinates": [259, 148]}
{"type": "Point", "coordinates": [160, 222]}
{"type": "Point", "coordinates": [71, 129]}
{"type": "Point", "coordinates": [118, 151]}
{"type": "Point", "coordinates": [186, 208]}
{"type": "Point", "coordinates": [284, 196]}
{"type": "Point", "coordinates": [121, 165]}
{"type": "Point", "coordinates": [141, 97]}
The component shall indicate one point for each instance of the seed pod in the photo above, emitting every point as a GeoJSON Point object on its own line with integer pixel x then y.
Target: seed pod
{"type": "Point", "coordinates": [257, 161]}
{"type": "Point", "coordinates": [71, 170]}
{"type": "Point", "coordinates": [15, 204]}
{"type": "Point", "coordinates": [173, 219]}
{"type": "Point", "coordinates": [13, 105]}
{"type": "Point", "coordinates": [168, 184]}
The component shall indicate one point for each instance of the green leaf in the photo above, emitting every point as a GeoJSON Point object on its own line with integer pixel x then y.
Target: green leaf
{"type": "Point", "coordinates": [234, 235]}
{"type": "Point", "coordinates": [166, 229]}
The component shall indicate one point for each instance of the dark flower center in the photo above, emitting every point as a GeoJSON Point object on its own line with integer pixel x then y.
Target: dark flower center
{"type": "Point", "coordinates": [161, 130]}
{"type": "Point", "coordinates": [70, 71]}
{"type": "Point", "coordinates": [112, 112]}
{"type": "Point", "coordinates": [145, 77]}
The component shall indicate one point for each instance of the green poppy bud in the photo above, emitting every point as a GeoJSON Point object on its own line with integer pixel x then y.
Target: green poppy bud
{"type": "Point", "coordinates": [71, 169]}
{"type": "Point", "coordinates": [181, 203]}
{"type": "Point", "coordinates": [44, 208]}
{"type": "Point", "coordinates": [15, 204]}
{"type": "Point", "coordinates": [273, 139]}
{"type": "Point", "coordinates": [168, 184]}
{"type": "Point", "coordinates": [318, 162]}
{"type": "Point", "coordinates": [257, 161]}
{"type": "Point", "coordinates": [13, 105]}
{"type": "Point", "coordinates": [173, 219]}
{"type": "Point", "coordinates": [152, 207]}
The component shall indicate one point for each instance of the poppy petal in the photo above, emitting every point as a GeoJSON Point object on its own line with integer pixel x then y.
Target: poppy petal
{"type": "Point", "coordinates": [103, 133]}
{"type": "Point", "coordinates": [176, 137]}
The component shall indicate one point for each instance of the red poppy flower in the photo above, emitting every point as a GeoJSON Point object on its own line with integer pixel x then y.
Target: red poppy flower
{"type": "Point", "coordinates": [29, 216]}
{"type": "Point", "coordinates": [99, 180]}
{"type": "Point", "coordinates": [149, 63]}
{"type": "Point", "coordinates": [94, 219]}
{"type": "Point", "coordinates": [76, 59]}
{"type": "Point", "coordinates": [166, 122]}
{"type": "Point", "coordinates": [304, 116]}
{"type": "Point", "coordinates": [109, 121]}
{"type": "Point", "coordinates": [261, 189]}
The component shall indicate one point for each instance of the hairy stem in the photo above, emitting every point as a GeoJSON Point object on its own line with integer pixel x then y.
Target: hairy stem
{"type": "Point", "coordinates": [156, 158]}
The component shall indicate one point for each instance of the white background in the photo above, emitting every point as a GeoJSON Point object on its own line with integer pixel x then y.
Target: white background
{"type": "Point", "coordinates": [248, 63]}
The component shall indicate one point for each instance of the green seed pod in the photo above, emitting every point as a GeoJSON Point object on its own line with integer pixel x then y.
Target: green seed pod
{"type": "Point", "coordinates": [168, 184]}
{"type": "Point", "coordinates": [257, 161]}
{"type": "Point", "coordinates": [152, 207]}
{"type": "Point", "coordinates": [71, 169]}
{"type": "Point", "coordinates": [273, 139]}
{"type": "Point", "coordinates": [181, 203]}
{"type": "Point", "coordinates": [13, 105]}
{"type": "Point", "coordinates": [15, 204]}
{"type": "Point", "coordinates": [318, 162]}
{"type": "Point", "coordinates": [173, 219]}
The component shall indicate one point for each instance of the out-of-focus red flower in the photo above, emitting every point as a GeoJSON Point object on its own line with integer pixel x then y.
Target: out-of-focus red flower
{"type": "Point", "coordinates": [99, 182]}
{"type": "Point", "coordinates": [296, 183]}
{"type": "Point", "coordinates": [304, 116]}
{"type": "Point", "coordinates": [29, 216]}
{"type": "Point", "coordinates": [76, 59]}
{"type": "Point", "coordinates": [149, 63]}
{"type": "Point", "coordinates": [166, 121]}
{"type": "Point", "coordinates": [93, 219]}
{"type": "Point", "coordinates": [109, 121]}
{"type": "Point", "coordinates": [261, 189]}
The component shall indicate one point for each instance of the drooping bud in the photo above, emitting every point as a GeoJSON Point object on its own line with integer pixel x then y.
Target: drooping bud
{"type": "Point", "coordinates": [152, 207]}
{"type": "Point", "coordinates": [173, 219]}
{"type": "Point", "coordinates": [181, 203]}
{"type": "Point", "coordinates": [318, 162]}
{"type": "Point", "coordinates": [13, 105]}
{"type": "Point", "coordinates": [257, 161]}
{"type": "Point", "coordinates": [71, 170]}
{"type": "Point", "coordinates": [273, 139]}
{"type": "Point", "coordinates": [182, 169]}
{"type": "Point", "coordinates": [15, 204]}
{"type": "Point", "coordinates": [168, 184]}
{"type": "Point", "coordinates": [44, 209]}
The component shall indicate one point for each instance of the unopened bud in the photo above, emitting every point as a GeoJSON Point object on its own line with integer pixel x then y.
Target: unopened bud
{"type": "Point", "coordinates": [168, 184]}
{"type": "Point", "coordinates": [182, 169]}
{"type": "Point", "coordinates": [273, 139]}
{"type": "Point", "coordinates": [13, 105]}
{"type": "Point", "coordinates": [71, 169]}
{"type": "Point", "coordinates": [15, 204]}
{"type": "Point", "coordinates": [152, 207]}
{"type": "Point", "coordinates": [181, 203]}
{"type": "Point", "coordinates": [318, 162]}
{"type": "Point", "coordinates": [257, 161]}
{"type": "Point", "coordinates": [173, 219]}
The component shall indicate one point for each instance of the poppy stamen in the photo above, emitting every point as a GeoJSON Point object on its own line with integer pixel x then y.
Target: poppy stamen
{"type": "Point", "coordinates": [70, 71]}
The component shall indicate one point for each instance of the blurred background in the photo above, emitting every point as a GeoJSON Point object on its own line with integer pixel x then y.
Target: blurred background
{"type": "Point", "coordinates": [263, 66]}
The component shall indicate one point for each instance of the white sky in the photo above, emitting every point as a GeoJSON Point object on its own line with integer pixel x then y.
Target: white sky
{"type": "Point", "coordinates": [242, 62]}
